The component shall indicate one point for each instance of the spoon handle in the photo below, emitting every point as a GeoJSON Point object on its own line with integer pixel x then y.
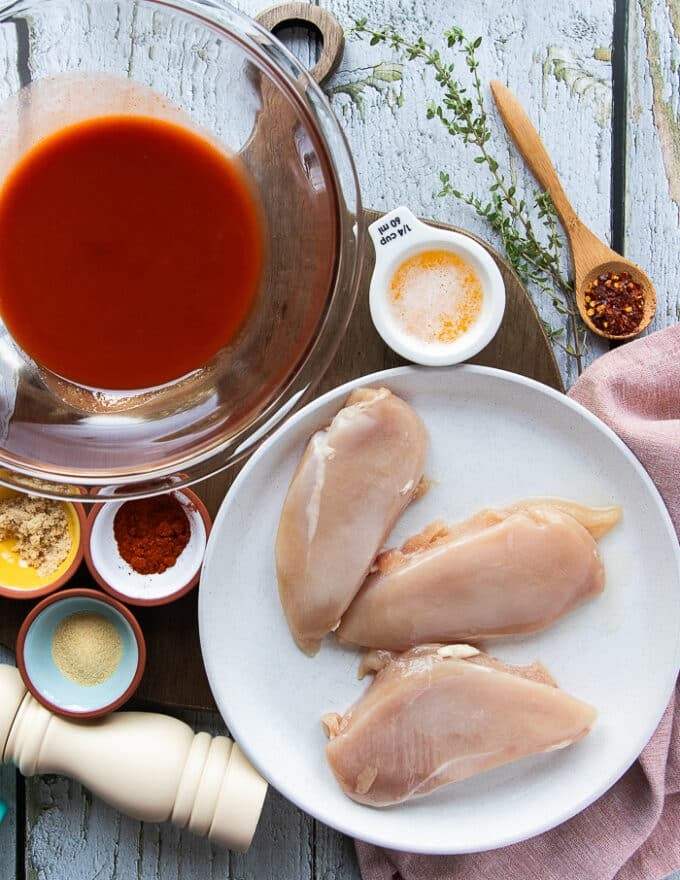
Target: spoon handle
{"type": "Point", "coordinates": [530, 145]}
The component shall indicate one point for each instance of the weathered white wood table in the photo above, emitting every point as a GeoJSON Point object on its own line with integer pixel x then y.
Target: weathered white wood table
{"type": "Point", "coordinates": [600, 80]}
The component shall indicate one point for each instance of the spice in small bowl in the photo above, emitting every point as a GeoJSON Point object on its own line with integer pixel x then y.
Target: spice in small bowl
{"type": "Point", "coordinates": [40, 543]}
{"type": "Point", "coordinates": [148, 551]}
{"type": "Point", "coordinates": [81, 653]}
{"type": "Point", "coordinates": [436, 296]}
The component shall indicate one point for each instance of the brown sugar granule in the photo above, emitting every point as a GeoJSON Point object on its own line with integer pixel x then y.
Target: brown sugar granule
{"type": "Point", "coordinates": [87, 648]}
{"type": "Point", "coordinates": [40, 529]}
{"type": "Point", "coordinates": [615, 303]}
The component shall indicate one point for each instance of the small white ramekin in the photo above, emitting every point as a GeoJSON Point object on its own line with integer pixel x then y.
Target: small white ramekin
{"type": "Point", "coordinates": [115, 575]}
{"type": "Point", "coordinates": [399, 235]}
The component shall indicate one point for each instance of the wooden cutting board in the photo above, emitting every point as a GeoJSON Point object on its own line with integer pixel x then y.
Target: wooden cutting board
{"type": "Point", "coordinates": [174, 674]}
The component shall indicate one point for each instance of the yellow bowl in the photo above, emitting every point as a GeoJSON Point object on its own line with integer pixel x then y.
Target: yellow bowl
{"type": "Point", "coordinates": [21, 581]}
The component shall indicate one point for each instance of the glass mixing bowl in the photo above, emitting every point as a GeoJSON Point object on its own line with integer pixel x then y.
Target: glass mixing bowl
{"type": "Point", "coordinates": [223, 74]}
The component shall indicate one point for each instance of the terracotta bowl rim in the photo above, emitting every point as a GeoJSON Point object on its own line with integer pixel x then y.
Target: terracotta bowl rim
{"type": "Point", "coordinates": [135, 600]}
{"type": "Point", "coordinates": [21, 593]}
{"type": "Point", "coordinates": [107, 600]}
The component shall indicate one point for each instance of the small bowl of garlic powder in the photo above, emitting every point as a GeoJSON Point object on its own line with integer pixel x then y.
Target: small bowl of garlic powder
{"type": "Point", "coordinates": [41, 543]}
{"type": "Point", "coordinates": [81, 653]}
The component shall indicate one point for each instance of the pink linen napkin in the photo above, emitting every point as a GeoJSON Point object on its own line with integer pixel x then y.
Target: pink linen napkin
{"type": "Point", "coordinates": [633, 831]}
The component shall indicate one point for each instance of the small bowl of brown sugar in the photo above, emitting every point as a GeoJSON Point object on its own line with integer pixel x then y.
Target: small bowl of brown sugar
{"type": "Point", "coordinates": [81, 653]}
{"type": "Point", "coordinates": [41, 543]}
{"type": "Point", "coordinates": [148, 551]}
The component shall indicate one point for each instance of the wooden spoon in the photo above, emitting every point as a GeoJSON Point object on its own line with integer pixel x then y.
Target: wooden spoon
{"type": "Point", "coordinates": [592, 257]}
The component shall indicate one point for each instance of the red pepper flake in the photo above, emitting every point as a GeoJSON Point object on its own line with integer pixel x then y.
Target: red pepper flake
{"type": "Point", "coordinates": [151, 533]}
{"type": "Point", "coordinates": [615, 303]}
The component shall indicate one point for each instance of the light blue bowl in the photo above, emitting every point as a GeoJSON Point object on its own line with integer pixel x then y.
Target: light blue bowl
{"type": "Point", "coordinates": [43, 677]}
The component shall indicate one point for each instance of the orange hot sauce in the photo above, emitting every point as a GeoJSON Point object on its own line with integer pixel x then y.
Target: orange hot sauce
{"type": "Point", "coordinates": [130, 251]}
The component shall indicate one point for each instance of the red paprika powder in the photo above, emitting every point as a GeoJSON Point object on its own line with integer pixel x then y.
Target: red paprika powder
{"type": "Point", "coordinates": [151, 533]}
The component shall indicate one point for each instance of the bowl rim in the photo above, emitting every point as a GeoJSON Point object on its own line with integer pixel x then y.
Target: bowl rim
{"type": "Point", "coordinates": [227, 449]}
{"type": "Point", "coordinates": [98, 596]}
{"type": "Point", "coordinates": [421, 238]}
{"type": "Point", "coordinates": [21, 593]}
{"type": "Point", "coordinates": [134, 600]}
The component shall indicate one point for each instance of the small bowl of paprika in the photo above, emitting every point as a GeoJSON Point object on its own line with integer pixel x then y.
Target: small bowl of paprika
{"type": "Point", "coordinates": [148, 551]}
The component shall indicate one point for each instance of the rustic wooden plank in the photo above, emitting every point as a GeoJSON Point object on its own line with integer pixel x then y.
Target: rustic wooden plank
{"type": "Point", "coordinates": [10, 61]}
{"type": "Point", "coordinates": [9, 794]}
{"type": "Point", "coordinates": [8, 828]}
{"type": "Point", "coordinates": [335, 856]}
{"type": "Point", "coordinates": [70, 833]}
{"type": "Point", "coordinates": [653, 155]}
{"type": "Point", "coordinates": [282, 847]}
{"type": "Point", "coordinates": [652, 200]}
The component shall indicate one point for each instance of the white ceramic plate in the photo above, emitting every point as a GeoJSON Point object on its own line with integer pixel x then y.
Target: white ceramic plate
{"type": "Point", "coordinates": [495, 438]}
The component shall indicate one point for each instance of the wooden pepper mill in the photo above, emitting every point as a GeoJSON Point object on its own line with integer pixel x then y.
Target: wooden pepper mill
{"type": "Point", "coordinates": [149, 766]}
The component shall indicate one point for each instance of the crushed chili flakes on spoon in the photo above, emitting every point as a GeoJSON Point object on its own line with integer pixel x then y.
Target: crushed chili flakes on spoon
{"type": "Point", "coordinates": [615, 303]}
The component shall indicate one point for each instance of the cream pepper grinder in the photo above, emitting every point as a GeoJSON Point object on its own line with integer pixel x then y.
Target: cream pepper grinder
{"type": "Point", "coordinates": [149, 766]}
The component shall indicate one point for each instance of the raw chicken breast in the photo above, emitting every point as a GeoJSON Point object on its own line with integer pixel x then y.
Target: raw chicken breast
{"type": "Point", "coordinates": [436, 715]}
{"type": "Point", "coordinates": [353, 481]}
{"type": "Point", "coordinates": [499, 573]}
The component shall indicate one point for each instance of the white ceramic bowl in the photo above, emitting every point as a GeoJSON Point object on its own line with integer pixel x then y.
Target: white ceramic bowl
{"type": "Point", "coordinates": [399, 235]}
{"type": "Point", "coordinates": [115, 575]}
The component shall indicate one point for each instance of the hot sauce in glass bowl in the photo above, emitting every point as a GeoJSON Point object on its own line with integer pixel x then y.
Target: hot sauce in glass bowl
{"type": "Point", "coordinates": [134, 236]}
{"type": "Point", "coordinates": [217, 73]}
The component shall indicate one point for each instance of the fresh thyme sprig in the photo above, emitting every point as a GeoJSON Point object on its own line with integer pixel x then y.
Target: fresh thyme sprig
{"type": "Point", "coordinates": [536, 260]}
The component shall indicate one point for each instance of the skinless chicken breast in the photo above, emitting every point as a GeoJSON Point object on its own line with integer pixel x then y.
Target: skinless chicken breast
{"type": "Point", "coordinates": [354, 480]}
{"type": "Point", "coordinates": [440, 714]}
{"type": "Point", "coordinates": [499, 573]}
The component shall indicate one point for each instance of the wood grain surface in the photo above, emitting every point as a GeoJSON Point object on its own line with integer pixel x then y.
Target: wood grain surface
{"type": "Point", "coordinates": [287, 15]}
{"type": "Point", "coordinates": [601, 86]}
{"type": "Point", "coordinates": [171, 631]}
